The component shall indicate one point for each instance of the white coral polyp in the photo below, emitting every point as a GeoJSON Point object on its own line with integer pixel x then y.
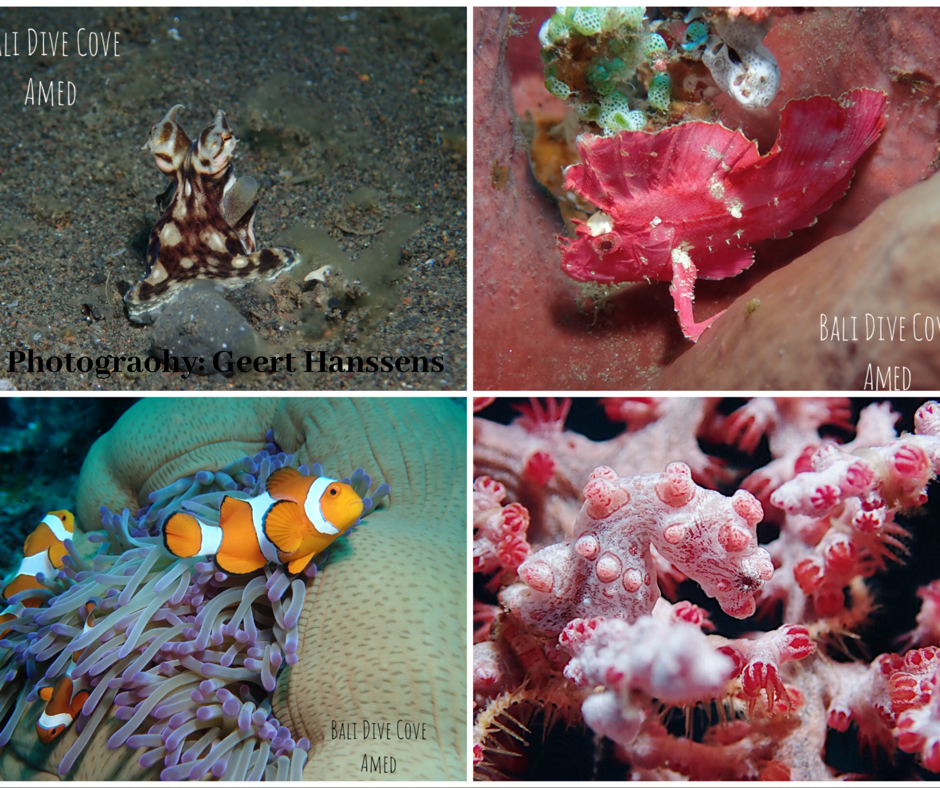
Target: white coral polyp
{"type": "Point", "coordinates": [672, 662]}
{"type": "Point", "coordinates": [750, 75]}
{"type": "Point", "coordinates": [606, 716]}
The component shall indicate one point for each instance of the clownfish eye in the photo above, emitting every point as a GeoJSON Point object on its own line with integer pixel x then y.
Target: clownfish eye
{"type": "Point", "coordinates": [333, 490]}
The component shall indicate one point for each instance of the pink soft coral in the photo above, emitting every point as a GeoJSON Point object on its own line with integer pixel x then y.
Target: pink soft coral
{"type": "Point", "coordinates": [916, 702]}
{"type": "Point", "coordinates": [758, 661]}
{"type": "Point", "coordinates": [499, 532]}
{"type": "Point", "coordinates": [582, 634]}
{"type": "Point", "coordinates": [841, 512]}
{"type": "Point", "coordinates": [608, 568]}
{"type": "Point", "coordinates": [544, 465]}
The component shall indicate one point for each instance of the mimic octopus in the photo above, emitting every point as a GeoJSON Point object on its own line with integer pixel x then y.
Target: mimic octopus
{"type": "Point", "coordinates": [207, 227]}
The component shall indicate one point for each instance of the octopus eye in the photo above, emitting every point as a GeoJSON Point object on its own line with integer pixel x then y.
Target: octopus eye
{"type": "Point", "coordinates": [226, 137]}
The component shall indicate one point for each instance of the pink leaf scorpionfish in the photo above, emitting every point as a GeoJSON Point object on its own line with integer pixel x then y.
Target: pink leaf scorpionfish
{"type": "Point", "coordinates": [685, 203]}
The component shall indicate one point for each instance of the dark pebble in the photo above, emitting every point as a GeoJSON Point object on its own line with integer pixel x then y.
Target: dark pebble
{"type": "Point", "coordinates": [199, 324]}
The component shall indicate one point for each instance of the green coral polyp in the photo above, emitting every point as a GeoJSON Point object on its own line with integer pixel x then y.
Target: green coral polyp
{"type": "Point", "coordinates": [589, 21]}
{"type": "Point", "coordinates": [654, 44]}
{"type": "Point", "coordinates": [603, 75]}
{"type": "Point", "coordinates": [660, 92]}
{"type": "Point", "coordinates": [631, 16]}
{"type": "Point", "coordinates": [635, 120]}
{"type": "Point", "coordinates": [557, 88]}
{"type": "Point", "coordinates": [594, 20]}
{"type": "Point", "coordinates": [556, 29]}
{"type": "Point", "coordinates": [587, 111]}
{"type": "Point", "coordinates": [631, 121]}
{"type": "Point", "coordinates": [695, 33]}
{"type": "Point", "coordinates": [614, 113]}
{"type": "Point", "coordinates": [596, 76]}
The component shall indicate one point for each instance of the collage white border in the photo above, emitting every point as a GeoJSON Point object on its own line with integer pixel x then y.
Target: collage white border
{"type": "Point", "coordinates": [468, 395]}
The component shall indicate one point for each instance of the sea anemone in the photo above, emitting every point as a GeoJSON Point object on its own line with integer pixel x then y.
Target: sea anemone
{"type": "Point", "coordinates": [188, 654]}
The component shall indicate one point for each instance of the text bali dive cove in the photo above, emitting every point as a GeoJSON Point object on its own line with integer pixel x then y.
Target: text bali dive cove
{"type": "Point", "coordinates": [881, 328]}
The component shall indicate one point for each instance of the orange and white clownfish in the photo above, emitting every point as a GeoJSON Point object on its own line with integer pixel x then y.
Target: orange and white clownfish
{"type": "Point", "coordinates": [65, 699]}
{"type": "Point", "coordinates": [42, 552]}
{"type": "Point", "coordinates": [297, 517]}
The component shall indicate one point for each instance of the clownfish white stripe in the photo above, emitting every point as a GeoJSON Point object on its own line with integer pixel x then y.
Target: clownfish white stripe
{"type": "Point", "coordinates": [57, 528]}
{"type": "Point", "coordinates": [211, 538]}
{"type": "Point", "coordinates": [49, 721]}
{"type": "Point", "coordinates": [32, 565]}
{"type": "Point", "coordinates": [185, 535]}
{"type": "Point", "coordinates": [312, 506]}
{"type": "Point", "coordinates": [260, 506]}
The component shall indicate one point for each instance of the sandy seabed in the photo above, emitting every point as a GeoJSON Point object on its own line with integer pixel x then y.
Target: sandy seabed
{"type": "Point", "coordinates": [351, 121]}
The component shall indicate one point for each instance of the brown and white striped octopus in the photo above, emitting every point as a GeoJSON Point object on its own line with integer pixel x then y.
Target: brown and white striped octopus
{"type": "Point", "coordinates": [207, 227]}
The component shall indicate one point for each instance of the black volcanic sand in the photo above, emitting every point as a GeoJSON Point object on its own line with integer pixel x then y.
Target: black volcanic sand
{"type": "Point", "coordinates": [353, 122]}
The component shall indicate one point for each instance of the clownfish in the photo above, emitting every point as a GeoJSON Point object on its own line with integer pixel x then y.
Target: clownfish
{"type": "Point", "coordinates": [296, 518]}
{"type": "Point", "coordinates": [42, 552]}
{"type": "Point", "coordinates": [65, 699]}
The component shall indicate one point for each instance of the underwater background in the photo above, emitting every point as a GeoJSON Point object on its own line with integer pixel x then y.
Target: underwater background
{"type": "Point", "coordinates": [364, 638]}
{"type": "Point", "coordinates": [535, 329]}
{"type": "Point", "coordinates": [353, 123]}
{"type": "Point", "coordinates": [554, 750]}
{"type": "Point", "coordinates": [43, 443]}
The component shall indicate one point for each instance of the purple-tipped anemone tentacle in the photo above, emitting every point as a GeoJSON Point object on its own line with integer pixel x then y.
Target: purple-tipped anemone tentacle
{"type": "Point", "coordinates": [78, 562]}
{"type": "Point", "coordinates": [298, 594]}
{"type": "Point", "coordinates": [177, 488]}
{"type": "Point", "coordinates": [264, 470]}
{"type": "Point", "coordinates": [277, 585]}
